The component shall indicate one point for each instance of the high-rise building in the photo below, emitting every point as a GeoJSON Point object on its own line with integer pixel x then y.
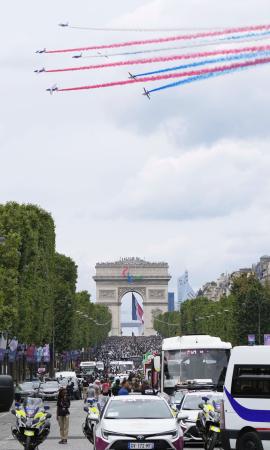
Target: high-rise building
{"type": "Point", "coordinates": [262, 269]}
{"type": "Point", "coordinates": [170, 301]}
{"type": "Point", "coordinates": [184, 290]}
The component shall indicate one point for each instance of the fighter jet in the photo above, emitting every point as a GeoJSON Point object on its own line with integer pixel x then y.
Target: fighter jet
{"type": "Point", "coordinates": [79, 55]}
{"type": "Point", "coordinates": [132, 76]}
{"type": "Point", "coordinates": [41, 51]}
{"type": "Point", "coordinates": [146, 93]}
{"type": "Point", "coordinates": [40, 70]}
{"type": "Point", "coordinates": [63, 24]}
{"type": "Point", "coordinates": [52, 89]}
{"type": "Point", "coordinates": [102, 54]}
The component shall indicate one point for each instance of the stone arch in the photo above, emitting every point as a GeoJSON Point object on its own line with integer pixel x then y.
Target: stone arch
{"type": "Point", "coordinates": [149, 280]}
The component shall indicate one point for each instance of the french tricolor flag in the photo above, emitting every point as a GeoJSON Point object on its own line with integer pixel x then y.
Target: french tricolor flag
{"type": "Point", "coordinates": [137, 311]}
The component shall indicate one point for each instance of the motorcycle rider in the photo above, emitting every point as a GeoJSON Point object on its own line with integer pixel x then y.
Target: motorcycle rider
{"type": "Point", "coordinates": [91, 393]}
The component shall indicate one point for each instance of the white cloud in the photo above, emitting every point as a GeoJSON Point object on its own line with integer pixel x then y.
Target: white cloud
{"type": "Point", "coordinates": [201, 183]}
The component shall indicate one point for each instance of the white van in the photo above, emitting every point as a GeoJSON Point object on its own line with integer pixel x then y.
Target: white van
{"type": "Point", "coordinates": [245, 415]}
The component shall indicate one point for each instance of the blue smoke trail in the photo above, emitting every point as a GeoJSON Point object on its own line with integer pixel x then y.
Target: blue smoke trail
{"type": "Point", "coordinates": [229, 58]}
{"type": "Point", "coordinates": [248, 35]}
{"type": "Point", "coordinates": [199, 78]}
{"type": "Point", "coordinates": [244, 37]}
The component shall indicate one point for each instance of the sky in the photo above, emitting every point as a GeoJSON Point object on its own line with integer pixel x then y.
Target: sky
{"type": "Point", "coordinates": [183, 178]}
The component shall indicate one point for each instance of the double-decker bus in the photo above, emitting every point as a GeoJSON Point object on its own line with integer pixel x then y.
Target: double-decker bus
{"type": "Point", "coordinates": [200, 359]}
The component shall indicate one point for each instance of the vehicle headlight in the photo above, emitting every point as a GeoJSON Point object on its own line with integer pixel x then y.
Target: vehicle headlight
{"type": "Point", "coordinates": [175, 434]}
{"type": "Point", "coordinates": [105, 435]}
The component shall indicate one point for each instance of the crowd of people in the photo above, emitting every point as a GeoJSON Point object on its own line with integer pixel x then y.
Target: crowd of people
{"type": "Point", "coordinates": [107, 386]}
{"type": "Point", "coordinates": [117, 348]}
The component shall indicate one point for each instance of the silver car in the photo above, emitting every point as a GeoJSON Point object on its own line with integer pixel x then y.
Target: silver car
{"type": "Point", "coordinates": [190, 408]}
{"type": "Point", "coordinates": [142, 422]}
{"type": "Point", "coordinates": [49, 390]}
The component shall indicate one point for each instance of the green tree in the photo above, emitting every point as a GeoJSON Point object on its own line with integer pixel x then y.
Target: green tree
{"type": "Point", "coordinates": [168, 324]}
{"type": "Point", "coordinates": [64, 301]}
{"type": "Point", "coordinates": [26, 269]}
{"type": "Point", "coordinates": [252, 307]}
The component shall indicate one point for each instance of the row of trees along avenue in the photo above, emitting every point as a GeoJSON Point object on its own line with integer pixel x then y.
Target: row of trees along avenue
{"type": "Point", "coordinates": [245, 311]}
{"type": "Point", "coordinates": [38, 299]}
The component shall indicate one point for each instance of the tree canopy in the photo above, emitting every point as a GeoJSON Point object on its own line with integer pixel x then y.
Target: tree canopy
{"type": "Point", "coordinates": [38, 299]}
{"type": "Point", "coordinates": [245, 311]}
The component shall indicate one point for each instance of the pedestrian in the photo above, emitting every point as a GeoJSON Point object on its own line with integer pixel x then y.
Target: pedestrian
{"type": "Point", "coordinates": [85, 385]}
{"type": "Point", "coordinates": [116, 387]}
{"type": "Point", "coordinates": [105, 386]}
{"type": "Point", "coordinates": [62, 415]}
{"type": "Point", "coordinates": [70, 389]}
{"type": "Point", "coordinates": [97, 387]}
{"type": "Point", "coordinates": [124, 389]}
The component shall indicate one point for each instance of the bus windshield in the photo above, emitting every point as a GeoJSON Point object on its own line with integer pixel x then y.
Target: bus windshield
{"type": "Point", "coordinates": [124, 367]}
{"type": "Point", "coordinates": [203, 364]}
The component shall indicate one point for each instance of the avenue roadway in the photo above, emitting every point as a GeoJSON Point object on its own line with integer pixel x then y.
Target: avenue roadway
{"type": "Point", "coordinates": [76, 441]}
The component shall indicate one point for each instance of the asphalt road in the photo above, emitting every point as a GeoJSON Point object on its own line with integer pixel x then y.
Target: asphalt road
{"type": "Point", "coordinates": [76, 441]}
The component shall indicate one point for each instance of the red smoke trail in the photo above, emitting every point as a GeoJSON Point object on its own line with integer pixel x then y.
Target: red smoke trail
{"type": "Point", "coordinates": [167, 39]}
{"type": "Point", "coordinates": [163, 59]}
{"type": "Point", "coordinates": [189, 73]}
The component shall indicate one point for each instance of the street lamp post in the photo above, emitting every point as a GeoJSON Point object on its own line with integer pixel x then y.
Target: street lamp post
{"type": "Point", "coordinates": [259, 321]}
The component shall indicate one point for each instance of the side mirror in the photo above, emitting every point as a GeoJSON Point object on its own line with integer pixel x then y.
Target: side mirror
{"type": "Point", "coordinates": [48, 415]}
{"type": "Point", "coordinates": [46, 408]}
{"type": "Point", "coordinates": [181, 417]}
{"type": "Point", "coordinates": [86, 409]}
{"type": "Point", "coordinates": [13, 412]}
{"type": "Point", "coordinates": [6, 392]}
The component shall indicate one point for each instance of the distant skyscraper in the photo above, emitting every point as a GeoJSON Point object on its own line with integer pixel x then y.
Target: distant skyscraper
{"type": "Point", "coordinates": [170, 301]}
{"type": "Point", "coordinates": [184, 290]}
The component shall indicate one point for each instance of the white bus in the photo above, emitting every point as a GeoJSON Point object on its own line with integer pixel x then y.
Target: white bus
{"type": "Point", "coordinates": [197, 358]}
{"type": "Point", "coordinates": [88, 367]}
{"type": "Point", "coordinates": [100, 366]}
{"type": "Point", "coordinates": [246, 409]}
{"type": "Point", "coordinates": [122, 366]}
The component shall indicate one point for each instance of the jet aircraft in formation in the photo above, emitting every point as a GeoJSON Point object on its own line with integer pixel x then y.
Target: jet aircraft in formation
{"type": "Point", "coordinates": [52, 89]}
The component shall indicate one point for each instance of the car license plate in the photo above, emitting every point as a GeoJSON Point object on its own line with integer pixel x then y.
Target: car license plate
{"type": "Point", "coordinates": [29, 433]}
{"type": "Point", "coordinates": [141, 445]}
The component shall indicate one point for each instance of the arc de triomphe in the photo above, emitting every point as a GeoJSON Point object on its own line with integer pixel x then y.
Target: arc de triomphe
{"type": "Point", "coordinates": [149, 279]}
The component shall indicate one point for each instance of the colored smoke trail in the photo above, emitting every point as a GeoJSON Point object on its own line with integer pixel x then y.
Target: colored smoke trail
{"type": "Point", "coordinates": [166, 39]}
{"type": "Point", "coordinates": [229, 58]}
{"type": "Point", "coordinates": [255, 49]}
{"type": "Point", "coordinates": [244, 38]}
{"type": "Point", "coordinates": [193, 73]}
{"type": "Point", "coordinates": [141, 30]}
{"type": "Point", "coordinates": [205, 76]}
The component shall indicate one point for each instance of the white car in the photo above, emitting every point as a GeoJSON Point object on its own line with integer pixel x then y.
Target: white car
{"type": "Point", "coordinates": [190, 407]}
{"type": "Point", "coordinates": [138, 423]}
